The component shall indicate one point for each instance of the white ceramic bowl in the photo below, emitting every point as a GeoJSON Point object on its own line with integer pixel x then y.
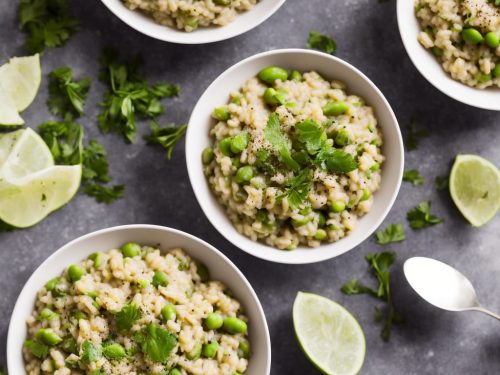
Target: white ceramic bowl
{"type": "Point", "coordinates": [243, 22]}
{"type": "Point", "coordinates": [197, 139]}
{"type": "Point", "coordinates": [427, 64]}
{"type": "Point", "coordinates": [221, 268]}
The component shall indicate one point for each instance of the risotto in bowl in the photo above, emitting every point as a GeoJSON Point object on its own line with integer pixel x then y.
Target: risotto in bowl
{"type": "Point", "coordinates": [297, 162]}
{"type": "Point", "coordinates": [138, 299]}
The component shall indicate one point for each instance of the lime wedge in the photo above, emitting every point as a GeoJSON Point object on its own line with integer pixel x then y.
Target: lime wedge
{"type": "Point", "coordinates": [329, 335]}
{"type": "Point", "coordinates": [26, 201]}
{"type": "Point", "coordinates": [22, 153]}
{"type": "Point", "coordinates": [20, 78]}
{"type": "Point", "coordinates": [475, 188]}
{"type": "Point", "coordinates": [9, 116]}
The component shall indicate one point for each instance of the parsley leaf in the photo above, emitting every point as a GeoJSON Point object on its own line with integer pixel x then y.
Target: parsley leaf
{"type": "Point", "coordinates": [414, 177]}
{"type": "Point", "coordinates": [129, 96]}
{"type": "Point", "coordinates": [156, 343]}
{"type": "Point", "coordinates": [64, 140]}
{"type": "Point", "coordinates": [353, 287]}
{"type": "Point", "coordinates": [66, 96]}
{"type": "Point", "coordinates": [265, 162]}
{"type": "Point", "coordinates": [311, 134]}
{"type": "Point", "coordinates": [414, 135]}
{"type": "Point", "coordinates": [420, 217]}
{"type": "Point", "coordinates": [393, 233]}
{"type": "Point", "coordinates": [37, 349]}
{"type": "Point", "coordinates": [335, 160]}
{"type": "Point", "coordinates": [279, 141]}
{"type": "Point", "coordinates": [442, 182]}
{"type": "Point", "coordinates": [298, 188]}
{"type": "Point", "coordinates": [321, 42]}
{"type": "Point", "coordinates": [127, 316]}
{"type": "Point", "coordinates": [104, 194]}
{"type": "Point", "coordinates": [47, 23]}
{"type": "Point", "coordinates": [166, 137]}
{"type": "Point", "coordinates": [90, 352]}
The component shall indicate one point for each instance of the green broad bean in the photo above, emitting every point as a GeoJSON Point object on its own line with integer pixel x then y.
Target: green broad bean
{"type": "Point", "coordinates": [234, 325]}
{"type": "Point", "coordinates": [335, 108]}
{"type": "Point", "coordinates": [295, 75]}
{"type": "Point", "coordinates": [492, 39]}
{"type": "Point", "coordinates": [375, 167]}
{"type": "Point", "coordinates": [75, 272]}
{"type": "Point", "coordinates": [213, 321]}
{"type": "Point", "coordinates": [273, 73]}
{"type": "Point", "coordinates": [210, 350]}
{"type": "Point", "coordinates": [48, 337]}
{"type": "Point", "coordinates": [244, 346]}
{"type": "Point", "coordinates": [225, 146]}
{"type": "Point", "coordinates": [239, 142]}
{"type": "Point", "coordinates": [342, 138]}
{"type": "Point", "coordinates": [437, 51]}
{"type": "Point", "coordinates": [300, 222]}
{"type": "Point", "coordinates": [221, 114]}
{"type": "Point", "coordinates": [273, 98]}
{"type": "Point", "coordinates": [47, 314]}
{"type": "Point", "coordinates": [202, 272]}
{"type": "Point", "coordinates": [131, 249]}
{"type": "Point", "coordinates": [320, 234]}
{"type": "Point", "coordinates": [175, 371]}
{"type": "Point", "coordinates": [207, 155]}
{"type": "Point", "coordinates": [244, 174]}
{"type": "Point", "coordinates": [366, 195]}
{"type": "Point", "coordinates": [496, 71]}
{"type": "Point", "coordinates": [222, 2]}
{"type": "Point", "coordinates": [337, 206]}
{"type": "Point", "coordinates": [321, 220]}
{"type": "Point", "coordinates": [195, 353]}
{"type": "Point", "coordinates": [96, 258]}
{"type": "Point", "coordinates": [114, 351]}
{"type": "Point", "coordinates": [472, 36]}
{"type": "Point", "coordinates": [168, 312]}
{"type": "Point", "coordinates": [159, 279]}
{"type": "Point", "coordinates": [191, 22]}
{"type": "Point", "coordinates": [482, 78]}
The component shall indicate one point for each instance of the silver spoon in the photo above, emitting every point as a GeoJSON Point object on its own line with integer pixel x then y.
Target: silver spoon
{"type": "Point", "coordinates": [442, 285]}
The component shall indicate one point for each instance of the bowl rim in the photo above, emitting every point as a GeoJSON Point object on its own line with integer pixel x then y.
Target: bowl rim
{"type": "Point", "coordinates": [207, 211]}
{"type": "Point", "coordinates": [26, 291]}
{"type": "Point", "coordinates": [443, 82]}
{"type": "Point", "coordinates": [172, 35]}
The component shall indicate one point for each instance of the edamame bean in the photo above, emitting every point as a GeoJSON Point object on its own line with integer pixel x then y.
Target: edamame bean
{"type": "Point", "coordinates": [75, 272]}
{"type": "Point", "coordinates": [335, 108]}
{"type": "Point", "coordinates": [482, 78]}
{"type": "Point", "coordinates": [168, 312]}
{"type": "Point", "coordinates": [225, 146]}
{"type": "Point", "coordinates": [321, 220]}
{"type": "Point", "coordinates": [337, 206]}
{"type": "Point", "coordinates": [202, 272]}
{"type": "Point", "coordinates": [195, 353]}
{"type": "Point", "coordinates": [472, 36]}
{"type": "Point", "coordinates": [244, 174]}
{"type": "Point", "coordinates": [272, 73]}
{"type": "Point", "coordinates": [239, 142]}
{"type": "Point", "coordinates": [47, 314]}
{"type": "Point", "coordinates": [437, 51]}
{"type": "Point", "coordinates": [131, 249]}
{"type": "Point", "coordinates": [114, 351]}
{"type": "Point", "coordinates": [210, 349]}
{"type": "Point", "coordinates": [496, 71]}
{"type": "Point", "coordinates": [221, 114]}
{"type": "Point", "coordinates": [244, 346]}
{"type": "Point", "coordinates": [96, 258]}
{"type": "Point", "coordinates": [48, 337]}
{"type": "Point", "coordinates": [300, 222]}
{"type": "Point", "coordinates": [191, 22]}
{"type": "Point", "coordinates": [342, 138]}
{"type": "Point", "coordinates": [234, 325]}
{"type": "Point", "coordinates": [375, 167]}
{"type": "Point", "coordinates": [320, 234]}
{"type": "Point", "coordinates": [222, 2]}
{"type": "Point", "coordinates": [51, 284]}
{"type": "Point", "coordinates": [366, 194]}
{"type": "Point", "coordinates": [175, 371]}
{"type": "Point", "coordinates": [273, 98]}
{"type": "Point", "coordinates": [296, 75]}
{"type": "Point", "coordinates": [492, 39]}
{"type": "Point", "coordinates": [159, 279]}
{"type": "Point", "coordinates": [213, 321]}
{"type": "Point", "coordinates": [207, 155]}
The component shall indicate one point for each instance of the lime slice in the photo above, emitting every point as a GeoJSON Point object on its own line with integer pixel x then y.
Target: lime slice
{"type": "Point", "coordinates": [22, 153]}
{"type": "Point", "coordinates": [475, 188]}
{"type": "Point", "coordinates": [328, 334]}
{"type": "Point", "coordinates": [9, 115]}
{"type": "Point", "coordinates": [26, 201]}
{"type": "Point", "coordinates": [20, 78]}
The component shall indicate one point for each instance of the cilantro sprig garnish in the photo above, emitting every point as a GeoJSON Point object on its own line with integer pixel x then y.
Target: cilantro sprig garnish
{"type": "Point", "coordinates": [298, 188]}
{"type": "Point", "coordinates": [90, 352]}
{"type": "Point", "coordinates": [420, 217]}
{"type": "Point", "coordinates": [413, 176]}
{"type": "Point", "coordinates": [393, 233]}
{"type": "Point", "coordinates": [380, 264]}
{"type": "Point", "coordinates": [156, 342]}
{"type": "Point", "coordinates": [167, 136]}
{"type": "Point", "coordinates": [64, 140]}
{"type": "Point", "coordinates": [67, 96]}
{"type": "Point", "coordinates": [321, 42]}
{"type": "Point", "coordinates": [127, 317]}
{"type": "Point", "coordinates": [279, 141]}
{"type": "Point", "coordinates": [129, 96]}
{"type": "Point", "coordinates": [47, 23]}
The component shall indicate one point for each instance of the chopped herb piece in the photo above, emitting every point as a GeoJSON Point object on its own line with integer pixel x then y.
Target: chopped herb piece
{"type": "Point", "coordinates": [66, 96]}
{"type": "Point", "coordinates": [127, 316]}
{"type": "Point", "coordinates": [414, 135]}
{"type": "Point", "coordinates": [104, 194]}
{"type": "Point", "coordinates": [442, 182]}
{"type": "Point", "coordinates": [353, 287]}
{"type": "Point", "coordinates": [311, 134]}
{"type": "Point", "coordinates": [90, 352]}
{"type": "Point", "coordinates": [321, 42]}
{"type": "Point", "coordinates": [39, 350]}
{"type": "Point", "coordinates": [414, 177]}
{"type": "Point", "coordinates": [167, 137]}
{"type": "Point", "coordinates": [393, 233]}
{"type": "Point", "coordinates": [335, 160]}
{"type": "Point", "coordinates": [298, 188]}
{"type": "Point", "coordinates": [420, 216]}
{"type": "Point", "coordinates": [64, 140]}
{"type": "Point", "coordinates": [156, 343]}
{"type": "Point", "coordinates": [279, 141]}
{"type": "Point", "coordinates": [47, 23]}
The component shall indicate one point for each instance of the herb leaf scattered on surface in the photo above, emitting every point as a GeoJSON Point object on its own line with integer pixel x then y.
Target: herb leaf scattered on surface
{"type": "Point", "coordinates": [167, 136]}
{"type": "Point", "coordinates": [414, 135]}
{"type": "Point", "coordinates": [420, 217]}
{"type": "Point", "coordinates": [413, 176]}
{"type": "Point", "coordinates": [393, 233]}
{"type": "Point", "coordinates": [66, 96]}
{"type": "Point", "coordinates": [47, 23]}
{"type": "Point", "coordinates": [321, 42]}
{"type": "Point", "coordinates": [127, 316]}
{"type": "Point", "coordinates": [155, 342]}
{"type": "Point", "coordinates": [64, 140]}
{"type": "Point", "coordinates": [442, 182]}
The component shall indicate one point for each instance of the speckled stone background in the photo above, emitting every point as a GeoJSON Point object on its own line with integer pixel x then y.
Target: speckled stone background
{"type": "Point", "coordinates": [429, 341]}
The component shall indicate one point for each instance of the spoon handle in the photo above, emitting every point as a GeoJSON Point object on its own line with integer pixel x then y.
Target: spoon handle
{"type": "Point", "coordinates": [487, 312]}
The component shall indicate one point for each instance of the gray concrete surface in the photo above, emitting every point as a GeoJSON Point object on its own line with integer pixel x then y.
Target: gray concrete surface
{"type": "Point", "coordinates": [429, 341]}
